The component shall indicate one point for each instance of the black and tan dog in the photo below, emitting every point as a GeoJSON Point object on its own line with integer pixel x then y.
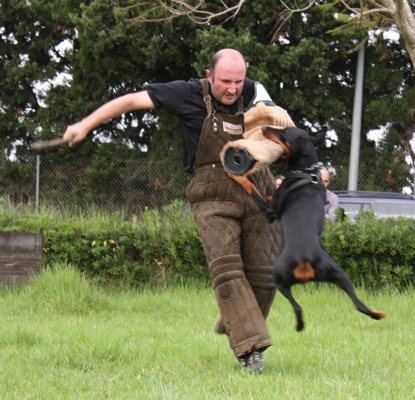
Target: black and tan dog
{"type": "Point", "coordinates": [299, 204]}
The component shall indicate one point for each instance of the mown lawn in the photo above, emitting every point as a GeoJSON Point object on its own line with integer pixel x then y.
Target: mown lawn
{"type": "Point", "coordinates": [63, 338]}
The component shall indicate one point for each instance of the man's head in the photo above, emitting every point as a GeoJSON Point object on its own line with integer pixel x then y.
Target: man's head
{"type": "Point", "coordinates": [226, 75]}
{"type": "Point", "coordinates": [325, 177]}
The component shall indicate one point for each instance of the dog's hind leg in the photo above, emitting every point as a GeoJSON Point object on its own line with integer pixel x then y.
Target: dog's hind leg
{"type": "Point", "coordinates": [337, 276]}
{"type": "Point", "coordinates": [286, 292]}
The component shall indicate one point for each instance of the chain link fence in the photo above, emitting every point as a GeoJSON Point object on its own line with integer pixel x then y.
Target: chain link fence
{"type": "Point", "coordinates": [113, 185]}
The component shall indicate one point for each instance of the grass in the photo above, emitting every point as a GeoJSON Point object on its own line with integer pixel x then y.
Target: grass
{"type": "Point", "coordinates": [63, 338]}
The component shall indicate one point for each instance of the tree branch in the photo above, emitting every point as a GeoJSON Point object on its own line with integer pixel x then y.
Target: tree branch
{"type": "Point", "coordinates": [180, 8]}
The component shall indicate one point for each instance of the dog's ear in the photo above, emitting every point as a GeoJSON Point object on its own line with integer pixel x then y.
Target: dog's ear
{"type": "Point", "coordinates": [278, 131]}
{"type": "Point", "coordinates": [319, 137]}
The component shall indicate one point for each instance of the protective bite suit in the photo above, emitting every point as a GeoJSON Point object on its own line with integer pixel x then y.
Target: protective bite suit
{"type": "Point", "coordinates": [240, 245]}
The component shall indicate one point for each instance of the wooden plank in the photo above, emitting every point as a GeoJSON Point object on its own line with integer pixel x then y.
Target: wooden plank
{"type": "Point", "coordinates": [21, 242]}
{"type": "Point", "coordinates": [21, 255]}
{"type": "Point", "coordinates": [12, 279]}
{"type": "Point", "coordinates": [8, 262]}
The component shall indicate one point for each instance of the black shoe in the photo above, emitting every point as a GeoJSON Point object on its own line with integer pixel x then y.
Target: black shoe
{"type": "Point", "coordinates": [252, 362]}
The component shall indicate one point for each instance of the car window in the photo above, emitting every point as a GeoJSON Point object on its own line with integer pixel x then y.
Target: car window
{"type": "Point", "coordinates": [384, 205]}
{"type": "Point", "coordinates": [366, 207]}
{"type": "Point", "coordinates": [350, 209]}
{"type": "Point", "coordinates": [395, 210]}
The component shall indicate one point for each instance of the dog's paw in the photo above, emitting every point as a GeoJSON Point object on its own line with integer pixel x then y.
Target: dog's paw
{"type": "Point", "coordinates": [300, 326]}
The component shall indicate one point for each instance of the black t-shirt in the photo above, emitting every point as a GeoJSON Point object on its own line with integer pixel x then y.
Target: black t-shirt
{"type": "Point", "coordinates": [184, 99]}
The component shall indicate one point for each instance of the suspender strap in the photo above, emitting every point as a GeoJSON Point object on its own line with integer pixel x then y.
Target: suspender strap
{"type": "Point", "coordinates": [206, 98]}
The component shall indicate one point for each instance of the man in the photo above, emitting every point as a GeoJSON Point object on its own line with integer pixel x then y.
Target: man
{"type": "Point", "coordinates": [239, 244]}
{"type": "Point", "coordinates": [332, 201]}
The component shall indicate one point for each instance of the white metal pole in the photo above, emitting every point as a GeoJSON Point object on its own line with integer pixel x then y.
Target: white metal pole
{"type": "Point", "coordinates": [357, 121]}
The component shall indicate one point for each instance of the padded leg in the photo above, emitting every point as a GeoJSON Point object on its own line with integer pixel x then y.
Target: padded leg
{"type": "Point", "coordinates": [242, 317]}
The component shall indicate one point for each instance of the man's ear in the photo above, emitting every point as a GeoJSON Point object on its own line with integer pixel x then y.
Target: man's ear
{"type": "Point", "coordinates": [319, 137]}
{"type": "Point", "coordinates": [209, 75]}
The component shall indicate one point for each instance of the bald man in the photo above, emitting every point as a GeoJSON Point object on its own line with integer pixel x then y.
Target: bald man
{"type": "Point", "coordinates": [240, 246]}
{"type": "Point", "coordinates": [332, 200]}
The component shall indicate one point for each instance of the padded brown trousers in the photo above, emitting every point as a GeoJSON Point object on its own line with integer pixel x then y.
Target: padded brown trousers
{"type": "Point", "coordinates": [241, 248]}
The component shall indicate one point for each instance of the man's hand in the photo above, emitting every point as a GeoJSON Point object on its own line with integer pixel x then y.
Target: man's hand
{"type": "Point", "coordinates": [75, 133]}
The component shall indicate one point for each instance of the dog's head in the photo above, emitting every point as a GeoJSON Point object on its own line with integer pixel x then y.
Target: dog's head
{"type": "Point", "coordinates": [299, 146]}
{"type": "Point", "coordinates": [262, 115]}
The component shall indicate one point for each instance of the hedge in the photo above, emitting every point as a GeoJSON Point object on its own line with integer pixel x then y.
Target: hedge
{"type": "Point", "coordinates": [160, 247]}
{"type": "Point", "coordinates": [374, 252]}
{"type": "Point", "coordinates": [156, 247]}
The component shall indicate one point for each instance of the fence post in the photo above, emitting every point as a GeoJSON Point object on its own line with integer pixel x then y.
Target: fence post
{"type": "Point", "coordinates": [37, 182]}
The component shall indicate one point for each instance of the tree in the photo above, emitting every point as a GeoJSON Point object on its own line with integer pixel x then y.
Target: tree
{"type": "Point", "coordinates": [100, 55]}
{"type": "Point", "coordinates": [306, 70]}
{"type": "Point", "coordinates": [382, 14]}
{"type": "Point", "coordinates": [389, 95]}
{"type": "Point", "coordinates": [367, 13]}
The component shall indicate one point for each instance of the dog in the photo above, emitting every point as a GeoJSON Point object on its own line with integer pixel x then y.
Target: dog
{"type": "Point", "coordinates": [299, 205]}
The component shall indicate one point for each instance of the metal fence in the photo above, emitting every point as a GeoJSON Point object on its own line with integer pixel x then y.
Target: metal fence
{"type": "Point", "coordinates": [123, 184]}
{"type": "Point", "coordinates": [113, 185]}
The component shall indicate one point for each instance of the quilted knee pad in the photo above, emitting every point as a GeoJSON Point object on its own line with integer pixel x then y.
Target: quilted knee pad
{"type": "Point", "coordinates": [240, 312]}
{"type": "Point", "coordinates": [263, 285]}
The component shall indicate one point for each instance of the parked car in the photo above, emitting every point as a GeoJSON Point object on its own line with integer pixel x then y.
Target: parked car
{"type": "Point", "coordinates": [383, 204]}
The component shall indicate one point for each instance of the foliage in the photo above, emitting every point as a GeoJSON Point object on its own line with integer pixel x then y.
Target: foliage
{"type": "Point", "coordinates": [63, 289]}
{"type": "Point", "coordinates": [108, 183]}
{"type": "Point", "coordinates": [374, 252]}
{"type": "Point", "coordinates": [163, 247]}
{"type": "Point", "coordinates": [98, 54]}
{"type": "Point", "coordinates": [156, 247]}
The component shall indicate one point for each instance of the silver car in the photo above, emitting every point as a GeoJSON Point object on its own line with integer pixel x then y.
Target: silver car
{"type": "Point", "coordinates": [383, 204]}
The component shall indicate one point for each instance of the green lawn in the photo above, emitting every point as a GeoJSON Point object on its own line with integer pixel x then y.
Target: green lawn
{"type": "Point", "coordinates": [63, 338]}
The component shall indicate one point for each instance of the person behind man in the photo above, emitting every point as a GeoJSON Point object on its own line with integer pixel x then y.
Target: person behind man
{"type": "Point", "coordinates": [240, 246]}
{"type": "Point", "coordinates": [332, 201]}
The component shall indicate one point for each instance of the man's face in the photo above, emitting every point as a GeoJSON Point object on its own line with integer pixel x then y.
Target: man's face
{"type": "Point", "coordinates": [325, 177]}
{"type": "Point", "coordinates": [227, 81]}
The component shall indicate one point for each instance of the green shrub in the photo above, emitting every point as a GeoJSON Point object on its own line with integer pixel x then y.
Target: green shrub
{"type": "Point", "coordinates": [156, 247]}
{"type": "Point", "coordinates": [160, 247]}
{"type": "Point", "coordinates": [374, 252]}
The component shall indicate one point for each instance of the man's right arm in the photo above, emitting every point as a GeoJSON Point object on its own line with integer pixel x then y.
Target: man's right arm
{"type": "Point", "coordinates": [129, 102]}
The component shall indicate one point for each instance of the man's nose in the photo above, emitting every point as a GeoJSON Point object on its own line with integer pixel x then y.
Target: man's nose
{"type": "Point", "coordinates": [232, 89]}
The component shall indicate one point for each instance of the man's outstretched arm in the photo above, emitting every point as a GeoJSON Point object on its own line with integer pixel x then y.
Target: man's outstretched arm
{"type": "Point", "coordinates": [129, 102]}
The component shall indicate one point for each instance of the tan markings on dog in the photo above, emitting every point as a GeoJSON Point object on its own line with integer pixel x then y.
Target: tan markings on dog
{"type": "Point", "coordinates": [286, 146]}
{"type": "Point", "coordinates": [381, 314]}
{"type": "Point", "coordinates": [245, 183]}
{"type": "Point", "coordinates": [304, 271]}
